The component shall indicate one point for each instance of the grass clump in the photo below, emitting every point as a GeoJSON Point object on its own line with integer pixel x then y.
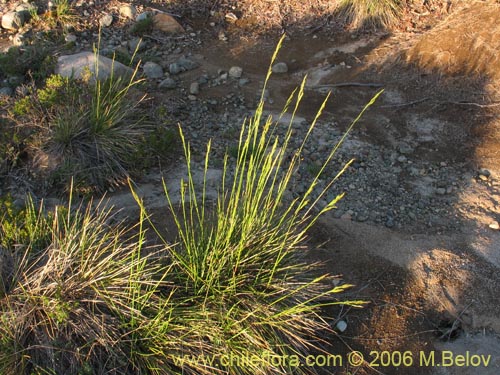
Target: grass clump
{"type": "Point", "coordinates": [73, 303]}
{"type": "Point", "coordinates": [246, 289]}
{"type": "Point", "coordinates": [142, 26]}
{"type": "Point", "coordinates": [371, 13]}
{"type": "Point", "coordinates": [89, 130]}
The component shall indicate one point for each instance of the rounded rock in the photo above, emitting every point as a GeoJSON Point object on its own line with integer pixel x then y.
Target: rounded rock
{"type": "Point", "coordinates": [152, 70]}
{"type": "Point", "coordinates": [194, 89]}
{"type": "Point", "coordinates": [128, 11]}
{"type": "Point", "coordinates": [168, 83]}
{"type": "Point", "coordinates": [106, 20]}
{"type": "Point", "coordinates": [280, 68]}
{"type": "Point", "coordinates": [13, 20]}
{"type": "Point", "coordinates": [235, 72]}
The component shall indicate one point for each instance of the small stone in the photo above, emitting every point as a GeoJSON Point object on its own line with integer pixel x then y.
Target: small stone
{"type": "Point", "coordinates": [187, 64]}
{"type": "Point", "coordinates": [280, 68]}
{"type": "Point", "coordinates": [341, 326]}
{"type": "Point", "coordinates": [192, 97]}
{"type": "Point", "coordinates": [106, 20]}
{"type": "Point", "coordinates": [6, 91]}
{"type": "Point", "coordinates": [152, 70]}
{"type": "Point", "coordinates": [484, 172]}
{"type": "Point", "coordinates": [70, 38]}
{"type": "Point", "coordinates": [174, 68]}
{"type": "Point", "coordinates": [389, 223]}
{"type": "Point", "coordinates": [243, 81]}
{"type": "Point", "coordinates": [13, 20]}
{"type": "Point", "coordinates": [405, 148]}
{"type": "Point", "coordinates": [136, 44]}
{"type": "Point", "coordinates": [362, 217]}
{"type": "Point", "coordinates": [235, 72]}
{"type": "Point", "coordinates": [402, 159]}
{"type": "Point", "coordinates": [142, 16]}
{"type": "Point", "coordinates": [194, 89]}
{"type": "Point", "coordinates": [168, 83]}
{"type": "Point", "coordinates": [347, 216]}
{"type": "Point", "coordinates": [440, 191]}
{"type": "Point", "coordinates": [494, 225]}
{"type": "Point", "coordinates": [128, 11]}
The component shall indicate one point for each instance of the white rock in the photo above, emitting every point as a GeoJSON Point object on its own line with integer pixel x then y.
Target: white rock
{"type": "Point", "coordinates": [235, 72]}
{"type": "Point", "coordinates": [70, 38]}
{"type": "Point", "coordinates": [13, 20]}
{"type": "Point", "coordinates": [128, 11]}
{"type": "Point", "coordinates": [75, 65]}
{"type": "Point", "coordinates": [106, 20]}
{"type": "Point", "coordinates": [494, 225]}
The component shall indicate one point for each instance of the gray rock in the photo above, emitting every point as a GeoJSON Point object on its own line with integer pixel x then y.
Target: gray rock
{"type": "Point", "coordinates": [280, 68]}
{"type": "Point", "coordinates": [136, 44]}
{"type": "Point", "coordinates": [168, 83]}
{"type": "Point", "coordinates": [174, 68]}
{"type": "Point", "coordinates": [194, 89]}
{"type": "Point", "coordinates": [440, 191]}
{"type": "Point", "coordinates": [405, 148]}
{"type": "Point", "coordinates": [128, 11]}
{"type": "Point", "coordinates": [187, 64]}
{"type": "Point", "coordinates": [341, 326]}
{"type": "Point", "coordinates": [235, 72]}
{"type": "Point", "coordinates": [143, 16]}
{"type": "Point", "coordinates": [75, 65]}
{"type": "Point", "coordinates": [106, 20]}
{"type": "Point", "coordinates": [243, 81]}
{"type": "Point", "coordinates": [70, 38]}
{"type": "Point", "coordinates": [152, 70]}
{"type": "Point", "coordinates": [6, 91]}
{"type": "Point", "coordinates": [402, 159]}
{"type": "Point", "coordinates": [13, 20]}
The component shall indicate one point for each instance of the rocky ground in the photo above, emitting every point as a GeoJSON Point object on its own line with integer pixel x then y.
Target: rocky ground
{"type": "Point", "coordinates": [418, 228]}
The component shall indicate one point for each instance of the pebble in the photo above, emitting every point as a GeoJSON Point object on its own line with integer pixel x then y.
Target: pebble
{"type": "Point", "coordinates": [152, 70]}
{"type": "Point", "coordinates": [243, 81]}
{"type": "Point", "coordinates": [187, 64]}
{"type": "Point", "coordinates": [280, 68]}
{"type": "Point", "coordinates": [168, 83]}
{"type": "Point", "coordinates": [494, 225]}
{"type": "Point", "coordinates": [70, 38]}
{"type": "Point", "coordinates": [235, 72]}
{"type": "Point", "coordinates": [402, 159]}
{"type": "Point", "coordinates": [194, 89]}
{"type": "Point", "coordinates": [106, 20]}
{"type": "Point", "coordinates": [485, 173]}
{"type": "Point", "coordinates": [440, 191]}
{"type": "Point", "coordinates": [6, 91]}
{"type": "Point", "coordinates": [174, 68]}
{"type": "Point", "coordinates": [18, 40]}
{"type": "Point", "coordinates": [142, 16]}
{"type": "Point", "coordinates": [405, 148]}
{"type": "Point", "coordinates": [341, 326]}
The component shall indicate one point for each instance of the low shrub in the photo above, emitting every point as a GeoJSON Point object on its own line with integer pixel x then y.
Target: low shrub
{"type": "Point", "coordinates": [88, 131]}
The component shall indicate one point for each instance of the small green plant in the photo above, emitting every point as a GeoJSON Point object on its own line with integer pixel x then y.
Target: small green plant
{"type": "Point", "coordinates": [143, 26]}
{"type": "Point", "coordinates": [36, 60]}
{"type": "Point", "coordinates": [371, 13]}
